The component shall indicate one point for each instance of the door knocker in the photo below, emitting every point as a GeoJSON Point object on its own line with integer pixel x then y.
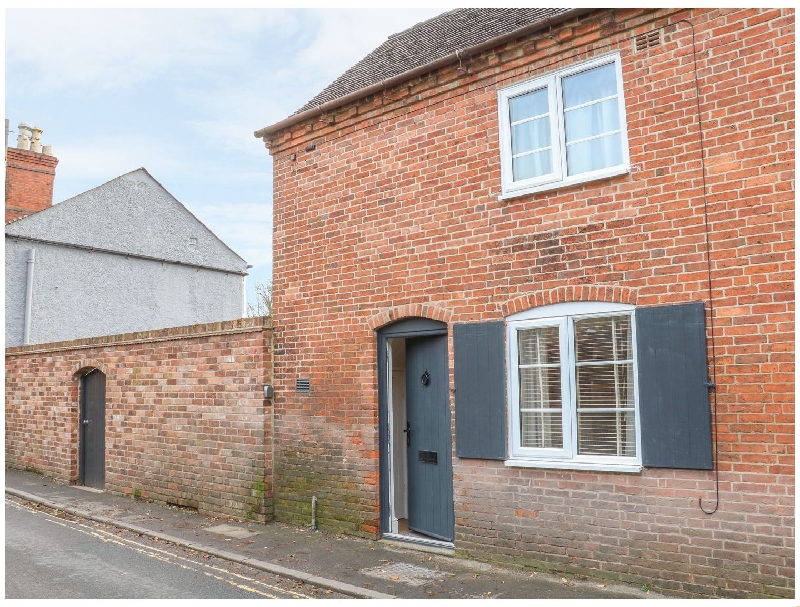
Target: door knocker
{"type": "Point", "coordinates": [426, 378]}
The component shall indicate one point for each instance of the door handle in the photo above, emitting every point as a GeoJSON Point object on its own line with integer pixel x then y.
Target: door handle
{"type": "Point", "coordinates": [86, 422]}
{"type": "Point", "coordinates": [408, 433]}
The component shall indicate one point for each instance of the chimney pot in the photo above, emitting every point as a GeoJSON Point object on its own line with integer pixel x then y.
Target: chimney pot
{"type": "Point", "coordinates": [36, 139]}
{"type": "Point", "coordinates": [24, 137]}
{"type": "Point", "coordinates": [47, 150]}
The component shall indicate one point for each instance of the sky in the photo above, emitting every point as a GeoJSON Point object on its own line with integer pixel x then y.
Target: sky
{"type": "Point", "coordinates": [180, 92]}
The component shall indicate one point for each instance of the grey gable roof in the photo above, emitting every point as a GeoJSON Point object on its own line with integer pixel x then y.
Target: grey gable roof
{"type": "Point", "coordinates": [429, 41]}
{"type": "Point", "coordinates": [427, 46]}
{"type": "Point", "coordinates": [132, 214]}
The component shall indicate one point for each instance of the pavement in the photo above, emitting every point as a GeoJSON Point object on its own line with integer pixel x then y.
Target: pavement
{"type": "Point", "coordinates": [376, 569]}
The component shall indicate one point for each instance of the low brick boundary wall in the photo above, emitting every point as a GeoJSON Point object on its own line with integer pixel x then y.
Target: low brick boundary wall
{"type": "Point", "coordinates": [186, 418]}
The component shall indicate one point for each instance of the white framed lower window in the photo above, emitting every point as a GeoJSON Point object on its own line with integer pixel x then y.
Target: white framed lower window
{"type": "Point", "coordinates": [572, 386]}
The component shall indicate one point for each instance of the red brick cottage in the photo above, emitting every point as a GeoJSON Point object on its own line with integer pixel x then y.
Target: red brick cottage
{"type": "Point", "coordinates": [533, 279]}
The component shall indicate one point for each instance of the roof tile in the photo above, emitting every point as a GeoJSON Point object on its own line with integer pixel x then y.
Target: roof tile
{"type": "Point", "coordinates": [427, 42]}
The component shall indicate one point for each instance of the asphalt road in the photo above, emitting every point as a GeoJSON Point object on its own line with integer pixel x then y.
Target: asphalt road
{"type": "Point", "coordinates": [51, 555]}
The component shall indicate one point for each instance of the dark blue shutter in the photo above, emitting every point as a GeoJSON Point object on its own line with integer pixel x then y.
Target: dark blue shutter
{"type": "Point", "coordinates": [480, 380]}
{"type": "Point", "coordinates": [673, 386]}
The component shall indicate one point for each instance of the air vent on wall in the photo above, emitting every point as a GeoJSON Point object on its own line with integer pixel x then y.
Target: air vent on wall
{"type": "Point", "coordinates": [648, 40]}
{"type": "Point", "coordinates": [302, 385]}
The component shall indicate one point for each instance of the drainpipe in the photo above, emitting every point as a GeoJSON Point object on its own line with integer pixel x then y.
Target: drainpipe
{"type": "Point", "coordinates": [244, 296]}
{"type": "Point", "coordinates": [26, 335]}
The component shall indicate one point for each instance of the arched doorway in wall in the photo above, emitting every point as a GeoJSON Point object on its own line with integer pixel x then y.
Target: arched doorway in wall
{"type": "Point", "coordinates": [415, 431]}
{"type": "Point", "coordinates": [92, 451]}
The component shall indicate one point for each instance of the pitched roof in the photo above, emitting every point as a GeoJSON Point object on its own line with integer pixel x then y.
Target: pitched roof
{"type": "Point", "coordinates": [429, 41]}
{"type": "Point", "coordinates": [135, 215]}
{"type": "Point", "coordinates": [425, 47]}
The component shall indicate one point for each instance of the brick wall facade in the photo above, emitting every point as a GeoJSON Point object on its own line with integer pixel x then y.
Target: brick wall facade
{"type": "Point", "coordinates": [186, 418]}
{"type": "Point", "coordinates": [396, 212]}
{"type": "Point", "coordinates": [29, 182]}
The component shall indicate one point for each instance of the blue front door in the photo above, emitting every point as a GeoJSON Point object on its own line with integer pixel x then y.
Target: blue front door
{"type": "Point", "coordinates": [430, 468]}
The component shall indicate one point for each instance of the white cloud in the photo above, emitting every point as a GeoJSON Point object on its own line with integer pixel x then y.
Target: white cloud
{"type": "Point", "coordinates": [248, 219]}
{"type": "Point", "coordinates": [281, 88]}
{"type": "Point", "coordinates": [103, 158]}
{"type": "Point", "coordinates": [103, 49]}
{"type": "Point", "coordinates": [246, 227]}
{"type": "Point", "coordinates": [336, 48]}
{"type": "Point", "coordinates": [227, 119]}
{"type": "Point", "coordinates": [233, 71]}
{"type": "Point", "coordinates": [180, 92]}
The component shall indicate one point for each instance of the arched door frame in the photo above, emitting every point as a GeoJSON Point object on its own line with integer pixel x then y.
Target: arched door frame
{"type": "Point", "coordinates": [404, 328]}
{"type": "Point", "coordinates": [92, 428]}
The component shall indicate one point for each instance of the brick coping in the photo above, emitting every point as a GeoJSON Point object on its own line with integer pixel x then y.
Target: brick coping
{"type": "Point", "coordinates": [226, 327]}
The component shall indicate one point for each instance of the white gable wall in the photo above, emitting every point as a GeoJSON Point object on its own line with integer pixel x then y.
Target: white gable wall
{"type": "Point", "coordinates": [98, 268]}
{"type": "Point", "coordinates": [81, 293]}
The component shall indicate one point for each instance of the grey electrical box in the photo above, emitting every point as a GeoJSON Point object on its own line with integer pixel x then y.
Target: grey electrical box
{"type": "Point", "coordinates": [269, 391]}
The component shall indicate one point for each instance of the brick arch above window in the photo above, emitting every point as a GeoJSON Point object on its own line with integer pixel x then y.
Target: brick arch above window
{"type": "Point", "coordinates": [394, 313]}
{"type": "Point", "coordinates": [546, 297]}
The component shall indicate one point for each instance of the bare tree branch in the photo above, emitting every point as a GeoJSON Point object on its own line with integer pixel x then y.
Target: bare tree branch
{"type": "Point", "coordinates": [263, 303]}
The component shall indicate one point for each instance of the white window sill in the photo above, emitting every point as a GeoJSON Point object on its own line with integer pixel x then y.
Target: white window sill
{"type": "Point", "coordinates": [573, 465]}
{"type": "Point", "coordinates": [564, 183]}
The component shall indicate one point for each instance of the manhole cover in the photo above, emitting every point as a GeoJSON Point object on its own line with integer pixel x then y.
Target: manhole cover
{"type": "Point", "coordinates": [405, 573]}
{"type": "Point", "coordinates": [231, 531]}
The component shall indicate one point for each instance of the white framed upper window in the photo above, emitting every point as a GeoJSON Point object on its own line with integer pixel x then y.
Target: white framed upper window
{"type": "Point", "coordinates": [572, 387]}
{"type": "Point", "coordinates": [564, 128]}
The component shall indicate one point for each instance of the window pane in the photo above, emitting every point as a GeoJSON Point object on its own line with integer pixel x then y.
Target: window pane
{"type": "Point", "coordinates": [607, 433]}
{"type": "Point", "coordinates": [541, 429]}
{"type": "Point", "coordinates": [528, 105]}
{"type": "Point", "coordinates": [530, 135]}
{"type": "Point", "coordinates": [590, 85]}
{"type": "Point", "coordinates": [592, 120]}
{"type": "Point", "coordinates": [540, 401]}
{"type": "Point", "coordinates": [540, 388]}
{"type": "Point", "coordinates": [539, 346]}
{"type": "Point", "coordinates": [532, 165]}
{"type": "Point", "coordinates": [594, 154]}
{"type": "Point", "coordinates": [604, 378]}
{"type": "Point", "coordinates": [603, 339]}
{"type": "Point", "coordinates": [605, 385]}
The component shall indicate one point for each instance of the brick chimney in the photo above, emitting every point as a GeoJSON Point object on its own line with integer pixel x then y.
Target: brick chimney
{"type": "Point", "coordinates": [30, 173]}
